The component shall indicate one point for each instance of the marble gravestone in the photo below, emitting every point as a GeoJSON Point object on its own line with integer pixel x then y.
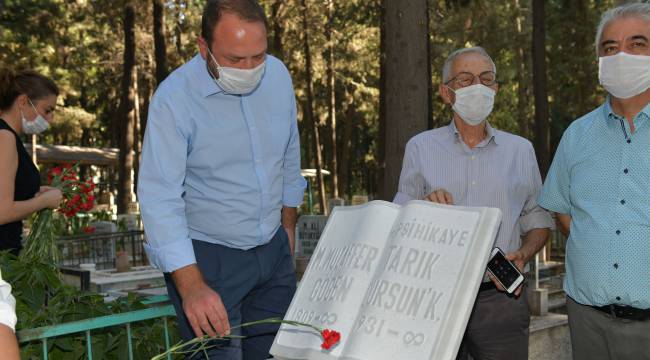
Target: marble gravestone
{"type": "Point", "coordinates": [396, 282]}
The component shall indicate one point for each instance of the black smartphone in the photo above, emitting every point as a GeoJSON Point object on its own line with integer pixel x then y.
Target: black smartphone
{"type": "Point", "coordinates": [504, 271]}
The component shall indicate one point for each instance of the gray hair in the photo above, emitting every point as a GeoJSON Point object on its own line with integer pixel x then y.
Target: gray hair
{"type": "Point", "coordinates": [446, 68]}
{"type": "Point", "coordinates": [639, 10]}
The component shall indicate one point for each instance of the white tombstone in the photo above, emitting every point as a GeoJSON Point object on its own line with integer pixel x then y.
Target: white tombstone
{"type": "Point", "coordinates": [396, 282]}
{"type": "Point", "coordinates": [308, 231]}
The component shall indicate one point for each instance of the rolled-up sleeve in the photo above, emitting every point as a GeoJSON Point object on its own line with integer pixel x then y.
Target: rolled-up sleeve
{"type": "Point", "coordinates": [7, 305]}
{"type": "Point", "coordinates": [411, 182]}
{"type": "Point", "coordinates": [555, 195]}
{"type": "Point", "coordinates": [160, 189]}
{"type": "Point", "coordinates": [293, 183]}
{"type": "Point", "coordinates": [532, 215]}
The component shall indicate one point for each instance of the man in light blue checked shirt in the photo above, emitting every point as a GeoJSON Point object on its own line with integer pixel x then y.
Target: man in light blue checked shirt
{"type": "Point", "coordinates": [599, 185]}
{"type": "Point", "coordinates": [220, 181]}
{"type": "Point", "coordinates": [470, 163]}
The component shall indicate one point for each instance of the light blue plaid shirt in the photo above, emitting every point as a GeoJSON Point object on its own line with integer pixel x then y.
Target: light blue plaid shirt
{"type": "Point", "coordinates": [217, 167]}
{"type": "Point", "coordinates": [601, 177]}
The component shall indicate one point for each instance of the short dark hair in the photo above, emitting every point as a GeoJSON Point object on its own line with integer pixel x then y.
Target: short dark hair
{"type": "Point", "coordinates": [27, 82]}
{"type": "Point", "coordinates": [247, 10]}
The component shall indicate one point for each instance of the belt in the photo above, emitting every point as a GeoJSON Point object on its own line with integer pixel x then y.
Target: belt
{"type": "Point", "coordinates": [625, 312]}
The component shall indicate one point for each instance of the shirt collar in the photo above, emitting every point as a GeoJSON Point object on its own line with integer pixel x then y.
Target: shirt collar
{"type": "Point", "coordinates": [609, 113]}
{"type": "Point", "coordinates": [492, 135]}
{"type": "Point", "coordinates": [206, 83]}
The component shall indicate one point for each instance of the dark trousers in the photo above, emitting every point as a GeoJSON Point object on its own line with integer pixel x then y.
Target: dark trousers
{"type": "Point", "coordinates": [254, 284]}
{"type": "Point", "coordinates": [596, 335]}
{"type": "Point", "coordinates": [497, 328]}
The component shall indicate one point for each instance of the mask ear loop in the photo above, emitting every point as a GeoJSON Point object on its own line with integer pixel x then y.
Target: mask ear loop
{"type": "Point", "coordinates": [34, 107]}
{"type": "Point", "coordinates": [208, 65]}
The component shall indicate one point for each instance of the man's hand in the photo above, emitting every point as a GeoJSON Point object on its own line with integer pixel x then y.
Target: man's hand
{"type": "Point", "coordinates": [563, 222]}
{"type": "Point", "coordinates": [289, 218]}
{"type": "Point", "coordinates": [519, 259]}
{"type": "Point", "coordinates": [202, 305]}
{"type": "Point", "coordinates": [440, 196]}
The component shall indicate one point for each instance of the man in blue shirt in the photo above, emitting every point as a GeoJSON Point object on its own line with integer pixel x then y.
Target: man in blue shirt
{"type": "Point", "coordinates": [598, 185]}
{"type": "Point", "coordinates": [220, 182]}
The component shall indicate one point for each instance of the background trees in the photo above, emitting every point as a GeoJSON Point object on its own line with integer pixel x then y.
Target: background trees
{"type": "Point", "coordinates": [368, 60]}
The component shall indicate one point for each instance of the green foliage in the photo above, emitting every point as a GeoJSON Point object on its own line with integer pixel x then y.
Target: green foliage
{"type": "Point", "coordinates": [43, 299]}
{"type": "Point", "coordinates": [80, 43]}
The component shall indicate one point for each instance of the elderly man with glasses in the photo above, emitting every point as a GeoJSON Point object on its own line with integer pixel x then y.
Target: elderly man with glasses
{"type": "Point", "coordinates": [470, 163]}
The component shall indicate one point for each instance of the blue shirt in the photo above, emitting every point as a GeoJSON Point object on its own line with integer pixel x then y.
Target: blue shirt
{"type": "Point", "coordinates": [601, 177]}
{"type": "Point", "coordinates": [501, 172]}
{"type": "Point", "coordinates": [217, 167]}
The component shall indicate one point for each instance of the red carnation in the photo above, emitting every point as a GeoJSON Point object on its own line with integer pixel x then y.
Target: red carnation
{"type": "Point", "coordinates": [330, 338]}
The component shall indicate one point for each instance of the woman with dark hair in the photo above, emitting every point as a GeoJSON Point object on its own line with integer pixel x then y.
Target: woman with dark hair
{"type": "Point", "coordinates": [27, 102]}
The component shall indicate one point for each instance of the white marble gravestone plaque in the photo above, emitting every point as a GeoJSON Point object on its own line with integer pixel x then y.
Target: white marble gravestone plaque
{"type": "Point", "coordinates": [396, 282]}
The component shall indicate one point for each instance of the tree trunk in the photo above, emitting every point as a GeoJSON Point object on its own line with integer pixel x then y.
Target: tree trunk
{"type": "Point", "coordinates": [126, 113]}
{"type": "Point", "coordinates": [406, 80]}
{"type": "Point", "coordinates": [521, 75]}
{"type": "Point", "coordinates": [346, 151]}
{"type": "Point", "coordinates": [381, 151]}
{"type": "Point", "coordinates": [542, 146]}
{"type": "Point", "coordinates": [137, 138]}
{"type": "Point", "coordinates": [278, 29]}
{"type": "Point", "coordinates": [309, 110]}
{"type": "Point", "coordinates": [159, 40]}
{"type": "Point", "coordinates": [331, 104]}
{"type": "Point", "coordinates": [178, 29]}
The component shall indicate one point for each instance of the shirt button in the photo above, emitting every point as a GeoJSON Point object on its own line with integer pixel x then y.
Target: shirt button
{"type": "Point", "coordinates": [615, 266]}
{"type": "Point", "coordinates": [618, 232]}
{"type": "Point", "coordinates": [623, 202]}
{"type": "Point", "coordinates": [473, 182]}
{"type": "Point", "coordinates": [629, 141]}
{"type": "Point", "coordinates": [473, 157]}
{"type": "Point", "coordinates": [618, 298]}
{"type": "Point", "coordinates": [625, 171]}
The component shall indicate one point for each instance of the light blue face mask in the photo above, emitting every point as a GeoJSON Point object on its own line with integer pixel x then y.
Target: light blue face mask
{"type": "Point", "coordinates": [237, 81]}
{"type": "Point", "coordinates": [36, 126]}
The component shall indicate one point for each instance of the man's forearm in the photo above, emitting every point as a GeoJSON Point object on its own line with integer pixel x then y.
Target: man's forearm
{"type": "Point", "coordinates": [533, 242]}
{"type": "Point", "coordinates": [563, 222]}
{"type": "Point", "coordinates": [289, 219]}
{"type": "Point", "coordinates": [187, 278]}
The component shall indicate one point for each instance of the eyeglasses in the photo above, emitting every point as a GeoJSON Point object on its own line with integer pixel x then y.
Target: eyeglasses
{"type": "Point", "coordinates": [463, 79]}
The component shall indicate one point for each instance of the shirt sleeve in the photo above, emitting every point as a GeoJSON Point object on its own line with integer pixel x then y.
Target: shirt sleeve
{"type": "Point", "coordinates": [411, 182]}
{"type": "Point", "coordinates": [555, 195]}
{"type": "Point", "coordinates": [160, 189]}
{"type": "Point", "coordinates": [293, 183]}
{"type": "Point", "coordinates": [532, 215]}
{"type": "Point", "coordinates": [7, 305]}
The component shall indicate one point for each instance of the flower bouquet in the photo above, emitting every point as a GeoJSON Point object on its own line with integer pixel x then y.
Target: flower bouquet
{"type": "Point", "coordinates": [77, 197]}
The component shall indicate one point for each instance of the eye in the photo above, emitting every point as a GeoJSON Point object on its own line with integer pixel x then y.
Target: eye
{"type": "Point", "coordinates": [609, 49]}
{"type": "Point", "coordinates": [638, 44]}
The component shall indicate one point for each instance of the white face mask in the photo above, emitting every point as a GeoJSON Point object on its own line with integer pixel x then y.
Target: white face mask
{"type": "Point", "coordinates": [35, 126]}
{"type": "Point", "coordinates": [237, 81]}
{"type": "Point", "coordinates": [474, 103]}
{"type": "Point", "coordinates": [624, 75]}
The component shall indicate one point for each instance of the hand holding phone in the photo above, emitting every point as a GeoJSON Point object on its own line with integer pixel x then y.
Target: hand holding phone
{"type": "Point", "coordinates": [504, 271]}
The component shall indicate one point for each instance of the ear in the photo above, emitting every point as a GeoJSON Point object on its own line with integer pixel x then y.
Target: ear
{"type": "Point", "coordinates": [203, 47]}
{"type": "Point", "coordinates": [22, 101]}
{"type": "Point", "coordinates": [448, 96]}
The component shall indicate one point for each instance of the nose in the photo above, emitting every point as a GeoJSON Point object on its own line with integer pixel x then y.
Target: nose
{"type": "Point", "coordinates": [247, 64]}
